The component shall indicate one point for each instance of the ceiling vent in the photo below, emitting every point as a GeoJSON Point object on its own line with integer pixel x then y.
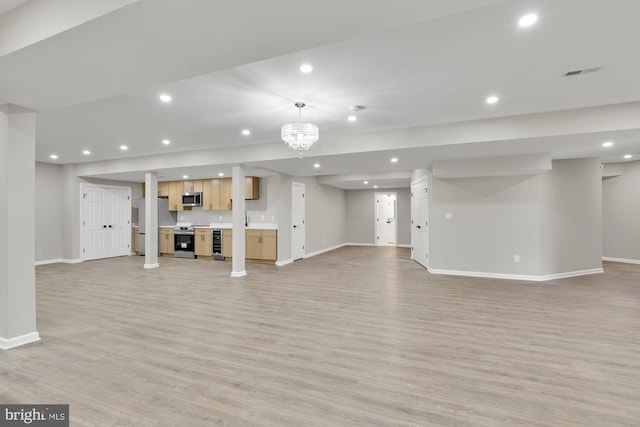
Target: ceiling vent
{"type": "Point", "coordinates": [583, 71]}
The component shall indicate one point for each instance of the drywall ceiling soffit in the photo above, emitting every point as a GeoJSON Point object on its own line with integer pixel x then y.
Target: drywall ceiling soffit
{"type": "Point", "coordinates": [153, 42]}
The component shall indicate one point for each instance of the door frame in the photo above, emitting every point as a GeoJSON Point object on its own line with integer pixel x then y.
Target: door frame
{"type": "Point", "coordinates": [375, 213]}
{"type": "Point", "coordinates": [295, 184]}
{"type": "Point", "coordinates": [425, 180]}
{"type": "Point", "coordinates": [84, 185]}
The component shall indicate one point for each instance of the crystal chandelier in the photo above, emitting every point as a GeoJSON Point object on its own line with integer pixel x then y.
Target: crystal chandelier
{"type": "Point", "coordinates": [300, 136]}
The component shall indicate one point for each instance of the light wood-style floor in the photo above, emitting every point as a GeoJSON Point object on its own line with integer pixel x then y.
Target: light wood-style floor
{"type": "Point", "coordinates": [354, 337]}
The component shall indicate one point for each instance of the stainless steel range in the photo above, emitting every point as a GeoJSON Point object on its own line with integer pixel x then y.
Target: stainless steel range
{"type": "Point", "coordinates": [184, 241]}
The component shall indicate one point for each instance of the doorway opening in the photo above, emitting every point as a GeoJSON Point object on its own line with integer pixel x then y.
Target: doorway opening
{"type": "Point", "coordinates": [386, 214]}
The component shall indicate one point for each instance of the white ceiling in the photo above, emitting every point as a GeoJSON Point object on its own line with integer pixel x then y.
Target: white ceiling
{"type": "Point", "coordinates": [414, 64]}
{"type": "Point", "coordinates": [7, 5]}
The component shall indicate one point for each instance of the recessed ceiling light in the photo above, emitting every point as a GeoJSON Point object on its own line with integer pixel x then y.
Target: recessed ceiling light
{"type": "Point", "coordinates": [607, 144]}
{"type": "Point", "coordinates": [352, 118]}
{"type": "Point", "coordinates": [220, 173]}
{"type": "Point", "coordinates": [185, 176]}
{"type": "Point", "coordinates": [246, 132]}
{"type": "Point", "coordinates": [166, 142]}
{"type": "Point", "coordinates": [366, 182]}
{"type": "Point", "coordinates": [124, 147]}
{"type": "Point", "coordinates": [316, 165]}
{"type": "Point", "coordinates": [492, 99]}
{"type": "Point", "coordinates": [165, 97]}
{"type": "Point", "coordinates": [306, 68]}
{"type": "Point", "coordinates": [528, 20]}
{"type": "Point", "coordinates": [375, 186]}
{"type": "Point", "coordinates": [86, 152]}
{"type": "Point", "coordinates": [394, 160]}
{"type": "Point", "coordinates": [628, 156]}
{"type": "Point", "coordinates": [54, 156]}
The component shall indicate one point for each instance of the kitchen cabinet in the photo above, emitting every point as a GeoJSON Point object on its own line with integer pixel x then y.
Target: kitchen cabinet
{"type": "Point", "coordinates": [166, 241]}
{"type": "Point", "coordinates": [204, 242]}
{"type": "Point", "coordinates": [163, 189]}
{"type": "Point", "coordinates": [251, 188]}
{"type": "Point", "coordinates": [259, 244]}
{"type": "Point", "coordinates": [227, 243]}
{"type": "Point", "coordinates": [136, 238]}
{"type": "Point", "coordinates": [192, 186]}
{"type": "Point", "coordinates": [216, 194]}
{"type": "Point", "coordinates": [175, 195]}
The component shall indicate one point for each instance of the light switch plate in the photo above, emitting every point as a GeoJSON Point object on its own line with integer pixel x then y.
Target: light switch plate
{"type": "Point", "coordinates": [448, 215]}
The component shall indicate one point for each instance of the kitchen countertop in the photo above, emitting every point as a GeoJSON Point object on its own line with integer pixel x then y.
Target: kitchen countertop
{"type": "Point", "coordinates": [251, 226]}
{"type": "Point", "coordinates": [227, 225]}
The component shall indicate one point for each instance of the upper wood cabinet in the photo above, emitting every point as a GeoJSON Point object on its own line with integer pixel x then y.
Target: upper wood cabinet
{"type": "Point", "coordinates": [251, 188]}
{"type": "Point", "coordinates": [216, 192]}
{"type": "Point", "coordinates": [192, 186]}
{"type": "Point", "coordinates": [163, 189]}
{"type": "Point", "coordinates": [175, 196]}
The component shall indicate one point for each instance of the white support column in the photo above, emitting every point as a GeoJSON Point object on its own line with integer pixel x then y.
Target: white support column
{"type": "Point", "coordinates": [151, 220]}
{"type": "Point", "coordinates": [238, 222]}
{"type": "Point", "coordinates": [17, 231]}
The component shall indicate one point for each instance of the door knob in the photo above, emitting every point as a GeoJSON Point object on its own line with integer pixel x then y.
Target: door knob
{"type": "Point", "coordinates": [109, 226]}
{"type": "Point", "coordinates": [417, 226]}
{"type": "Point", "coordinates": [104, 226]}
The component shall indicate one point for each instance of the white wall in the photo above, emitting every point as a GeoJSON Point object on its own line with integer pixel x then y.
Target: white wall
{"type": "Point", "coordinates": [551, 220]}
{"type": "Point", "coordinates": [325, 211]}
{"type": "Point", "coordinates": [572, 217]}
{"type": "Point", "coordinates": [493, 219]}
{"type": "Point", "coordinates": [361, 221]}
{"type": "Point", "coordinates": [48, 213]}
{"type": "Point", "coordinates": [621, 213]}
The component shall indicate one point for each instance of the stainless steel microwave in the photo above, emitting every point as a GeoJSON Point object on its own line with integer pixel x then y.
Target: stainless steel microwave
{"type": "Point", "coordinates": [192, 199]}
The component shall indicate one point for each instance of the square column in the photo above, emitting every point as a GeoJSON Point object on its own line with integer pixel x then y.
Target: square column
{"type": "Point", "coordinates": [238, 222]}
{"type": "Point", "coordinates": [151, 220]}
{"type": "Point", "coordinates": [17, 230]}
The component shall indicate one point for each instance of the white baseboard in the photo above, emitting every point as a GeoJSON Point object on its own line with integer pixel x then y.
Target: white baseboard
{"type": "Point", "coordinates": [154, 265]}
{"type": "Point", "coordinates": [238, 273]}
{"type": "Point", "coordinates": [283, 263]}
{"type": "Point", "coordinates": [57, 261]}
{"type": "Point", "coordinates": [526, 277]}
{"type": "Point", "coordinates": [321, 251]}
{"type": "Point", "coordinates": [402, 246]}
{"type": "Point", "coordinates": [626, 261]}
{"type": "Point", "coordinates": [6, 344]}
{"type": "Point", "coordinates": [572, 274]}
{"type": "Point", "coordinates": [359, 244]}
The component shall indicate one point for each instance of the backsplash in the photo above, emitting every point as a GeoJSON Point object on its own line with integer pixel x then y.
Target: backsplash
{"type": "Point", "coordinates": [199, 216]}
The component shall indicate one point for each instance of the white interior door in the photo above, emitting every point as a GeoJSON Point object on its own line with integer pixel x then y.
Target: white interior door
{"type": "Point", "coordinates": [106, 221]}
{"type": "Point", "coordinates": [298, 219]}
{"type": "Point", "coordinates": [119, 234]}
{"type": "Point", "coordinates": [94, 223]}
{"type": "Point", "coordinates": [420, 222]}
{"type": "Point", "coordinates": [386, 219]}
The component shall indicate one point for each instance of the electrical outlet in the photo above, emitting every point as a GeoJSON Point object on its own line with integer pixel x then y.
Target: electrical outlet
{"type": "Point", "coordinates": [219, 217]}
{"type": "Point", "coordinates": [262, 217]}
{"type": "Point", "coordinates": [516, 258]}
{"type": "Point", "coordinates": [448, 215]}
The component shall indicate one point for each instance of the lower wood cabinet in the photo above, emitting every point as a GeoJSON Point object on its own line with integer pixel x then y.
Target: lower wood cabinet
{"type": "Point", "coordinates": [227, 243]}
{"type": "Point", "coordinates": [136, 239]}
{"type": "Point", "coordinates": [204, 242]}
{"type": "Point", "coordinates": [259, 244]}
{"type": "Point", "coordinates": [166, 241]}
